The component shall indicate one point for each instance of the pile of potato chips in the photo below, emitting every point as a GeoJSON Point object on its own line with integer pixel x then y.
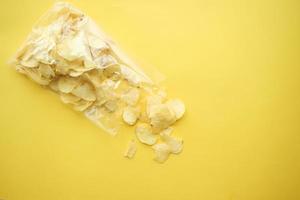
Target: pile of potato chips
{"type": "Point", "coordinates": [68, 53]}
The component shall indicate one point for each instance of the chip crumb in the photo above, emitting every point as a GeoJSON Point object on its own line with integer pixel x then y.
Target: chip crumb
{"type": "Point", "coordinates": [131, 149]}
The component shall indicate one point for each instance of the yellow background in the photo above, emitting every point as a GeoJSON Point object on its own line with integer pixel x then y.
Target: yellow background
{"type": "Point", "coordinates": [236, 65]}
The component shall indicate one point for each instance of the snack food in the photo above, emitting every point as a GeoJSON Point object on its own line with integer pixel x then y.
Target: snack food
{"type": "Point", "coordinates": [68, 53]}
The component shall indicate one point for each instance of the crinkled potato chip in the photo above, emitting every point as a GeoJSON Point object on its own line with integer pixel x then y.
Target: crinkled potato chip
{"type": "Point", "coordinates": [174, 143]}
{"type": "Point", "coordinates": [130, 115]}
{"type": "Point", "coordinates": [131, 149]}
{"type": "Point", "coordinates": [177, 106]}
{"type": "Point", "coordinates": [131, 97]}
{"type": "Point", "coordinates": [162, 152]}
{"type": "Point", "coordinates": [68, 53]}
{"type": "Point", "coordinates": [144, 134]}
{"type": "Point", "coordinates": [85, 91]}
{"type": "Point", "coordinates": [67, 84]}
{"type": "Point", "coordinates": [161, 116]}
{"type": "Point", "coordinates": [69, 98]}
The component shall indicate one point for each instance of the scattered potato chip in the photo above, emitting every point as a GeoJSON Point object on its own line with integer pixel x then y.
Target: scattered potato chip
{"type": "Point", "coordinates": [85, 91]}
{"type": "Point", "coordinates": [161, 116]}
{"type": "Point", "coordinates": [167, 131]}
{"type": "Point", "coordinates": [131, 97]}
{"type": "Point", "coordinates": [162, 152]}
{"type": "Point", "coordinates": [131, 149]}
{"type": "Point", "coordinates": [152, 100]}
{"type": "Point", "coordinates": [144, 134]}
{"type": "Point", "coordinates": [174, 144]}
{"type": "Point", "coordinates": [130, 115]}
{"type": "Point", "coordinates": [177, 106]}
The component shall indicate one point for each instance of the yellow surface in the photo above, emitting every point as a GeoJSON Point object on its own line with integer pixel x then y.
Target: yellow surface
{"type": "Point", "coordinates": [236, 65]}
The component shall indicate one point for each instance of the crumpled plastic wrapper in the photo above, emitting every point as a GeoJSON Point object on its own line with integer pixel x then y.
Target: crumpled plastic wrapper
{"type": "Point", "coordinates": [69, 54]}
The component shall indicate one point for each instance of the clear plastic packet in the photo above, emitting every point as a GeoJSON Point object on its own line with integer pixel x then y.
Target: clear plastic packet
{"type": "Point", "coordinates": [69, 54]}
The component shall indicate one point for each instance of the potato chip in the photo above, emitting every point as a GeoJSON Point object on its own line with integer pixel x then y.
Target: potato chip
{"type": "Point", "coordinates": [69, 98]}
{"type": "Point", "coordinates": [111, 105]}
{"type": "Point", "coordinates": [144, 118]}
{"type": "Point", "coordinates": [161, 116]}
{"type": "Point", "coordinates": [162, 152]}
{"type": "Point", "coordinates": [131, 97]}
{"type": "Point", "coordinates": [85, 91]}
{"type": "Point", "coordinates": [177, 106]}
{"type": "Point", "coordinates": [144, 134]}
{"type": "Point", "coordinates": [73, 48]}
{"type": "Point", "coordinates": [111, 70]}
{"type": "Point", "coordinates": [36, 76]}
{"type": "Point", "coordinates": [131, 149]}
{"type": "Point", "coordinates": [152, 100]}
{"type": "Point", "coordinates": [130, 115]}
{"type": "Point", "coordinates": [32, 62]}
{"type": "Point", "coordinates": [82, 105]}
{"type": "Point", "coordinates": [67, 84]}
{"type": "Point", "coordinates": [104, 61]}
{"type": "Point", "coordinates": [95, 76]}
{"type": "Point", "coordinates": [167, 131]}
{"type": "Point", "coordinates": [96, 43]}
{"type": "Point", "coordinates": [175, 144]}
{"type": "Point", "coordinates": [46, 71]}
{"type": "Point", "coordinates": [54, 85]}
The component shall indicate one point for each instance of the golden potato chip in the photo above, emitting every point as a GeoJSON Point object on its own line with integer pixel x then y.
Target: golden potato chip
{"type": "Point", "coordinates": [177, 106]}
{"type": "Point", "coordinates": [73, 48]}
{"type": "Point", "coordinates": [167, 131]}
{"type": "Point", "coordinates": [81, 105]}
{"type": "Point", "coordinates": [69, 98]}
{"type": "Point", "coordinates": [130, 115]}
{"type": "Point", "coordinates": [111, 70]}
{"type": "Point", "coordinates": [67, 84]}
{"type": "Point", "coordinates": [152, 100]}
{"type": "Point", "coordinates": [34, 74]}
{"type": "Point", "coordinates": [32, 62]}
{"type": "Point", "coordinates": [162, 152]}
{"type": "Point", "coordinates": [111, 105]}
{"type": "Point", "coordinates": [161, 116]}
{"type": "Point", "coordinates": [54, 85]}
{"type": "Point", "coordinates": [144, 134]}
{"type": "Point", "coordinates": [131, 97]}
{"type": "Point", "coordinates": [174, 143]}
{"type": "Point", "coordinates": [85, 91]}
{"type": "Point", "coordinates": [104, 61]}
{"type": "Point", "coordinates": [46, 71]}
{"type": "Point", "coordinates": [95, 76]}
{"type": "Point", "coordinates": [131, 149]}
